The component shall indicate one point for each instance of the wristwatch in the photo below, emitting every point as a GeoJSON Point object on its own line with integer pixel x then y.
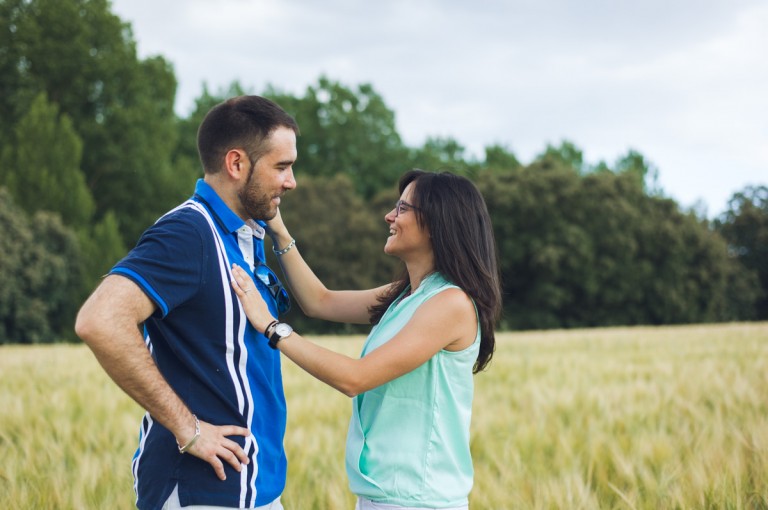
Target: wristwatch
{"type": "Point", "coordinates": [281, 330]}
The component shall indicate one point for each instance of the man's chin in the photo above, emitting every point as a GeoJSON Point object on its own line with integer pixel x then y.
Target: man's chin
{"type": "Point", "coordinates": [263, 214]}
{"type": "Point", "coordinates": [271, 214]}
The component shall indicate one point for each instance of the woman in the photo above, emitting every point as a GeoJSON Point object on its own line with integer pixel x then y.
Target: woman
{"type": "Point", "coordinates": [408, 438]}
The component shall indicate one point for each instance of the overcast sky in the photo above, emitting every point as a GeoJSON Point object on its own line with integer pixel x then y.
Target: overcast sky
{"type": "Point", "coordinates": [684, 82]}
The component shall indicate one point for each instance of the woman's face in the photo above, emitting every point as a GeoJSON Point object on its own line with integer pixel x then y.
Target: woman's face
{"type": "Point", "coordinates": [406, 237]}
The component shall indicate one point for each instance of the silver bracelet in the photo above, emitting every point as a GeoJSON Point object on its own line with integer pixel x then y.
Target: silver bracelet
{"type": "Point", "coordinates": [286, 249]}
{"type": "Point", "coordinates": [191, 442]}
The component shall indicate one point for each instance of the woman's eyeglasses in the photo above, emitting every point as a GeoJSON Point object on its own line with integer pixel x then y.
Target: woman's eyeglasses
{"type": "Point", "coordinates": [403, 206]}
{"type": "Point", "coordinates": [270, 280]}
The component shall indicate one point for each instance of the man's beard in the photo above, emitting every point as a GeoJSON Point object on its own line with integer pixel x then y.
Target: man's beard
{"type": "Point", "coordinates": [257, 204]}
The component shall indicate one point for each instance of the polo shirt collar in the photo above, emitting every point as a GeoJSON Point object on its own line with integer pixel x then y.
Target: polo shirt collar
{"type": "Point", "coordinates": [225, 217]}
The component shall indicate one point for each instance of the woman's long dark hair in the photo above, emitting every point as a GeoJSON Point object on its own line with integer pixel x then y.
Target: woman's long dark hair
{"type": "Point", "coordinates": [454, 213]}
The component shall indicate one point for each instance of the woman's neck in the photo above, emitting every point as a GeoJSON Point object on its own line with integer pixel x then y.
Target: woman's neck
{"type": "Point", "coordinates": [416, 275]}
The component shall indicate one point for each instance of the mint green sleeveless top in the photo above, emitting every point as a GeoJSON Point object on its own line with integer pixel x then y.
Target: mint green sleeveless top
{"type": "Point", "coordinates": [408, 440]}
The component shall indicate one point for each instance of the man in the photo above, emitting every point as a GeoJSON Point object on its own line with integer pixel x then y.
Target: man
{"type": "Point", "coordinates": [167, 327]}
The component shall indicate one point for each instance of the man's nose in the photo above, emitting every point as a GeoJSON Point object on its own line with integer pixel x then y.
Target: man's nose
{"type": "Point", "coordinates": [290, 181]}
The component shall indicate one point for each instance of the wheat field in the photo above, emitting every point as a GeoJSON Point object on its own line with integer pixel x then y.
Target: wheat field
{"type": "Point", "coordinates": [617, 418]}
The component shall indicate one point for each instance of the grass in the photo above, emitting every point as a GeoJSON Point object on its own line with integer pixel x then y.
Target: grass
{"type": "Point", "coordinates": [620, 418]}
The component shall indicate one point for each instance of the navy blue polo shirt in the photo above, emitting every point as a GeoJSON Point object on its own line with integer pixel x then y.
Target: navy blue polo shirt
{"type": "Point", "coordinates": [202, 342]}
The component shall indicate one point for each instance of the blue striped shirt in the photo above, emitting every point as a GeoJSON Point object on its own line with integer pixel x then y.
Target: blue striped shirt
{"type": "Point", "coordinates": [209, 353]}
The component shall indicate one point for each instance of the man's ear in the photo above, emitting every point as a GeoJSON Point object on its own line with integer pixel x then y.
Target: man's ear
{"type": "Point", "coordinates": [236, 163]}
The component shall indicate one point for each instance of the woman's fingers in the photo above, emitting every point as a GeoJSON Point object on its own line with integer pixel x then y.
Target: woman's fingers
{"type": "Point", "coordinates": [240, 277]}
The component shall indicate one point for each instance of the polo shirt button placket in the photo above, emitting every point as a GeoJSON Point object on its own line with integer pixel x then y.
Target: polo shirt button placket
{"type": "Point", "coordinates": [245, 242]}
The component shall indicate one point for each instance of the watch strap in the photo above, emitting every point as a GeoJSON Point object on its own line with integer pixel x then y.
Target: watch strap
{"type": "Point", "coordinates": [276, 337]}
{"type": "Point", "coordinates": [273, 339]}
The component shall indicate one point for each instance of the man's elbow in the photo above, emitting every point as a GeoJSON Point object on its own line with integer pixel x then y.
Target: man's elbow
{"type": "Point", "coordinates": [84, 326]}
{"type": "Point", "coordinates": [87, 325]}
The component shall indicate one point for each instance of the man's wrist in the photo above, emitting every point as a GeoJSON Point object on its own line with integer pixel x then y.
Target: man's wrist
{"type": "Point", "coordinates": [184, 448]}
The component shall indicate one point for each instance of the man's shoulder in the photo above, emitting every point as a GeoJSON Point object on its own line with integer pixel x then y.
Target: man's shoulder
{"type": "Point", "coordinates": [183, 229]}
{"type": "Point", "coordinates": [186, 219]}
{"type": "Point", "coordinates": [189, 214]}
{"type": "Point", "coordinates": [169, 262]}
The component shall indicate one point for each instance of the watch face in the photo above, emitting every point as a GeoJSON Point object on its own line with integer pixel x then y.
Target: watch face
{"type": "Point", "coordinates": [283, 329]}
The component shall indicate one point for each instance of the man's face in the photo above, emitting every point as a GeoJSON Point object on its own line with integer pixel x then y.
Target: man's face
{"type": "Point", "coordinates": [270, 176]}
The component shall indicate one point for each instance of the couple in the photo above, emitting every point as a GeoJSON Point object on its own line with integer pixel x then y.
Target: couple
{"type": "Point", "coordinates": [186, 325]}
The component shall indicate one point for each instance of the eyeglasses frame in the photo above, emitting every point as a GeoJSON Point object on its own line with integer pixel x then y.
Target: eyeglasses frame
{"type": "Point", "coordinates": [399, 207]}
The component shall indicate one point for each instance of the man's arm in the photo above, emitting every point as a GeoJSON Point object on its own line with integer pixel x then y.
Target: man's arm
{"type": "Point", "coordinates": [109, 323]}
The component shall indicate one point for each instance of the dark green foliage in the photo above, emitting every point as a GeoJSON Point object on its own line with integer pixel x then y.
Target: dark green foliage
{"type": "Point", "coordinates": [745, 227]}
{"type": "Point", "coordinates": [635, 164]}
{"type": "Point", "coordinates": [39, 267]}
{"type": "Point", "coordinates": [40, 165]}
{"type": "Point", "coordinates": [500, 159]}
{"type": "Point", "coordinates": [566, 155]}
{"type": "Point", "coordinates": [101, 246]}
{"type": "Point", "coordinates": [439, 154]}
{"type": "Point", "coordinates": [83, 58]}
{"type": "Point", "coordinates": [345, 131]}
{"type": "Point", "coordinates": [596, 250]}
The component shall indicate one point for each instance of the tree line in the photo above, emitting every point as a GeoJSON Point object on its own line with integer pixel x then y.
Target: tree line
{"type": "Point", "coordinates": [92, 153]}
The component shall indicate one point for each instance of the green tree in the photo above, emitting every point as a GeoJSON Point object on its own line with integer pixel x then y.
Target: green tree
{"type": "Point", "coordinates": [84, 58]}
{"type": "Point", "coordinates": [17, 88]}
{"type": "Point", "coordinates": [440, 154]}
{"type": "Point", "coordinates": [101, 246]}
{"type": "Point", "coordinates": [567, 154]}
{"type": "Point", "coordinates": [499, 158]}
{"type": "Point", "coordinates": [347, 131]}
{"type": "Point", "coordinates": [40, 165]}
{"type": "Point", "coordinates": [35, 302]}
{"type": "Point", "coordinates": [596, 250]}
{"type": "Point", "coordinates": [635, 164]}
{"type": "Point", "coordinates": [745, 227]}
{"type": "Point", "coordinates": [680, 269]}
{"type": "Point", "coordinates": [538, 245]}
